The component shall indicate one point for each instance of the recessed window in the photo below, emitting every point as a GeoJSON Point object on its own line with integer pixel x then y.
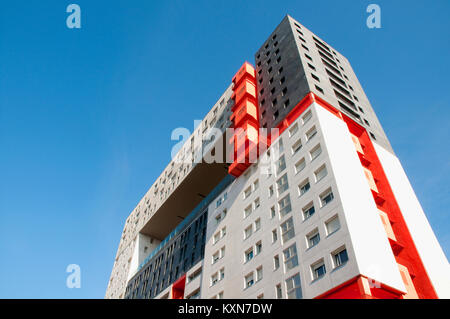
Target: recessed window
{"type": "Point", "coordinates": [282, 80]}
{"type": "Point", "coordinates": [293, 129]}
{"type": "Point", "coordinates": [282, 184]}
{"type": "Point", "coordinates": [332, 225]}
{"type": "Point", "coordinates": [249, 255]}
{"type": "Point", "coordinates": [278, 291]}
{"type": "Point", "coordinates": [284, 91]}
{"type": "Point", "coordinates": [313, 238]}
{"type": "Point", "coordinates": [312, 67]}
{"type": "Point", "coordinates": [340, 257]}
{"type": "Point", "coordinates": [280, 70]}
{"type": "Point", "coordinates": [315, 152]}
{"type": "Point", "coordinates": [270, 190]}
{"type": "Point", "coordinates": [306, 117]}
{"type": "Point", "coordinates": [249, 280]}
{"type": "Point", "coordinates": [302, 39]}
{"type": "Point", "coordinates": [305, 47]}
{"type": "Point", "coordinates": [308, 211]}
{"type": "Point", "coordinates": [279, 59]}
{"type": "Point", "coordinates": [326, 197]}
{"type": "Point", "coordinates": [285, 206]}
{"type": "Point", "coordinates": [297, 146]}
{"type": "Point", "coordinates": [315, 77]}
{"type": "Point", "coordinates": [320, 173]}
{"type": "Point", "coordinates": [272, 212]}
{"type": "Point", "coordinates": [318, 88]}
{"type": "Point", "coordinates": [311, 133]}
{"type": "Point", "coordinates": [290, 257]}
{"type": "Point", "coordinates": [293, 287]}
{"type": "Point", "coordinates": [287, 230]}
{"type": "Point", "coordinates": [308, 57]}
{"type": "Point", "coordinates": [281, 164]}
{"type": "Point", "coordinates": [248, 232]}
{"type": "Point", "coordinates": [259, 273]}
{"type": "Point", "coordinates": [300, 165]}
{"type": "Point", "coordinates": [257, 224]}
{"type": "Point", "coordinates": [274, 235]}
{"type": "Point", "coordinates": [318, 270]}
{"type": "Point", "coordinates": [247, 211]}
{"type": "Point", "coordinates": [304, 187]}
{"type": "Point", "coordinates": [276, 262]}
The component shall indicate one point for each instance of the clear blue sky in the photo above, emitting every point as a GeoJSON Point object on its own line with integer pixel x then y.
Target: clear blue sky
{"type": "Point", "coordinates": [86, 115]}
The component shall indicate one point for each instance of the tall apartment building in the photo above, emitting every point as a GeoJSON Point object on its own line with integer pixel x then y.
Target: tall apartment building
{"type": "Point", "coordinates": [325, 210]}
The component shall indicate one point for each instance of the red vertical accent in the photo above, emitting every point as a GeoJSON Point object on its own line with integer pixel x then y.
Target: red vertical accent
{"type": "Point", "coordinates": [178, 288]}
{"type": "Point", "coordinates": [246, 117]}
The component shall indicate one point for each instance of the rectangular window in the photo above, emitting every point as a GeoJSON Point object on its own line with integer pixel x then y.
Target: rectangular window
{"type": "Point", "coordinates": [297, 146]}
{"type": "Point", "coordinates": [326, 197]}
{"type": "Point", "coordinates": [256, 203]}
{"type": "Point", "coordinates": [249, 280]}
{"type": "Point", "coordinates": [290, 257]}
{"type": "Point", "coordinates": [320, 173]}
{"type": "Point", "coordinates": [270, 191]}
{"type": "Point", "coordinates": [247, 211]}
{"type": "Point", "coordinates": [304, 187]}
{"type": "Point", "coordinates": [257, 224]}
{"type": "Point", "coordinates": [308, 210]}
{"type": "Point", "coordinates": [300, 165]}
{"type": "Point", "coordinates": [281, 164]}
{"type": "Point", "coordinates": [340, 257]}
{"type": "Point", "coordinates": [276, 262]}
{"type": "Point", "coordinates": [274, 235]}
{"type": "Point", "coordinates": [332, 225]}
{"type": "Point", "coordinates": [258, 248]}
{"type": "Point", "coordinates": [284, 206]}
{"type": "Point", "coordinates": [293, 129]}
{"type": "Point", "coordinates": [272, 212]}
{"type": "Point", "coordinates": [214, 279]}
{"type": "Point", "coordinates": [306, 117]}
{"type": "Point", "coordinates": [259, 273]}
{"type": "Point", "coordinates": [315, 152]}
{"type": "Point", "coordinates": [287, 230]}
{"type": "Point", "coordinates": [282, 184]}
{"type": "Point", "coordinates": [278, 291]}
{"type": "Point", "coordinates": [247, 192]}
{"type": "Point", "coordinates": [311, 133]}
{"type": "Point", "coordinates": [249, 255]}
{"type": "Point", "coordinates": [313, 238]}
{"type": "Point", "coordinates": [293, 287]}
{"type": "Point", "coordinates": [318, 270]}
{"type": "Point", "coordinates": [248, 232]}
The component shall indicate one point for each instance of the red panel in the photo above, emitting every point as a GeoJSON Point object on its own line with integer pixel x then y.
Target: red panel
{"type": "Point", "coordinates": [178, 288]}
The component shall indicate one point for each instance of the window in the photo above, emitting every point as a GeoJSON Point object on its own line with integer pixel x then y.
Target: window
{"type": "Point", "coordinates": [221, 273]}
{"type": "Point", "coordinates": [256, 203]}
{"type": "Point", "coordinates": [308, 57]}
{"type": "Point", "coordinates": [272, 212]}
{"type": "Point", "coordinates": [293, 287]}
{"type": "Point", "coordinates": [304, 187]}
{"type": "Point", "coordinates": [247, 211]}
{"type": "Point", "coordinates": [287, 230]}
{"type": "Point", "coordinates": [276, 262]}
{"type": "Point", "coordinates": [290, 257]}
{"type": "Point", "coordinates": [300, 165]}
{"type": "Point", "coordinates": [315, 152]}
{"type": "Point", "coordinates": [281, 164]}
{"type": "Point", "coordinates": [259, 273]}
{"type": "Point", "coordinates": [248, 232]}
{"type": "Point", "coordinates": [313, 238]}
{"type": "Point", "coordinates": [311, 133]}
{"type": "Point", "coordinates": [274, 235]}
{"type": "Point", "coordinates": [282, 184]}
{"type": "Point", "coordinates": [308, 210]}
{"type": "Point", "coordinates": [318, 88]}
{"type": "Point", "coordinates": [320, 173]}
{"type": "Point", "coordinates": [326, 197]}
{"type": "Point", "coordinates": [315, 77]}
{"type": "Point", "coordinates": [247, 192]}
{"type": "Point", "coordinates": [318, 270]}
{"type": "Point", "coordinates": [220, 295]}
{"type": "Point", "coordinates": [278, 291]}
{"type": "Point", "coordinates": [214, 279]}
{"type": "Point", "coordinates": [258, 247]}
{"type": "Point", "coordinates": [306, 117]}
{"type": "Point", "coordinates": [249, 255]}
{"type": "Point", "coordinates": [296, 147]}
{"type": "Point", "coordinates": [215, 257]}
{"type": "Point", "coordinates": [312, 67]}
{"type": "Point", "coordinates": [257, 224]}
{"type": "Point", "coordinates": [293, 129]}
{"type": "Point", "coordinates": [285, 206]}
{"type": "Point", "coordinates": [340, 257]}
{"type": "Point", "coordinates": [270, 190]}
{"type": "Point", "coordinates": [332, 225]}
{"type": "Point", "coordinates": [249, 280]}
{"type": "Point", "coordinates": [255, 185]}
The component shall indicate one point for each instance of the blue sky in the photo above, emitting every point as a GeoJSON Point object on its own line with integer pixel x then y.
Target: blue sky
{"type": "Point", "coordinates": [86, 115]}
